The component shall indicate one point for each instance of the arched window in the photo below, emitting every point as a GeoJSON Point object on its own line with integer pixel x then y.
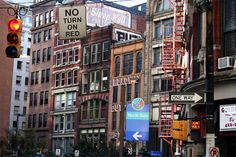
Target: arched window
{"type": "Point", "coordinates": [117, 68]}
{"type": "Point", "coordinates": [139, 62]}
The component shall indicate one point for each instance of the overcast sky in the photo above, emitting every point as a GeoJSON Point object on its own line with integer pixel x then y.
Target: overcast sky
{"type": "Point", "coordinates": [127, 3]}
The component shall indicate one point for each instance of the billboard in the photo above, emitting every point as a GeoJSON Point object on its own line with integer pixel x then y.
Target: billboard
{"type": "Point", "coordinates": [228, 117]}
{"type": "Point", "coordinates": [101, 15]}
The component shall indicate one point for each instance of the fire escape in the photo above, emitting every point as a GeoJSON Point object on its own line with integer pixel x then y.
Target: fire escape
{"type": "Point", "coordinates": [174, 72]}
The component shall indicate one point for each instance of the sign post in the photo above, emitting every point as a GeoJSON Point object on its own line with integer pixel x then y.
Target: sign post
{"type": "Point", "coordinates": [137, 122]}
{"type": "Point", "coordinates": [72, 22]}
{"type": "Point", "coordinates": [186, 97]}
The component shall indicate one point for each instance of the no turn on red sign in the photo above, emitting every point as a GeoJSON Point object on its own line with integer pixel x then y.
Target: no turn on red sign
{"type": "Point", "coordinates": [214, 152]}
{"type": "Point", "coordinates": [72, 22]}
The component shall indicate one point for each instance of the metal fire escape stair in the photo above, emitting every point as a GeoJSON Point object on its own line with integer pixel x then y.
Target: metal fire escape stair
{"type": "Point", "coordinates": [172, 54]}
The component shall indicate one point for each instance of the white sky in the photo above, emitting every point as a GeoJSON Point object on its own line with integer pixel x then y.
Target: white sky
{"type": "Point", "coordinates": [127, 3]}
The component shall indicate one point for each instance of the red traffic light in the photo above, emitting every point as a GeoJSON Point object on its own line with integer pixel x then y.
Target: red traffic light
{"type": "Point", "coordinates": [14, 24]}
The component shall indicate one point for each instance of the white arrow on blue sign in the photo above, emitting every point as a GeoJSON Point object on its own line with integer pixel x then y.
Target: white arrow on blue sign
{"type": "Point", "coordinates": [137, 121]}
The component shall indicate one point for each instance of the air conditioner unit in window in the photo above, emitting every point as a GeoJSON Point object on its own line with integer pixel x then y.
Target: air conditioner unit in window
{"type": "Point", "coordinates": [226, 63]}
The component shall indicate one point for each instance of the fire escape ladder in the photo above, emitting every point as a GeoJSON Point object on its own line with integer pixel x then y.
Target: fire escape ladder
{"type": "Point", "coordinates": [174, 72]}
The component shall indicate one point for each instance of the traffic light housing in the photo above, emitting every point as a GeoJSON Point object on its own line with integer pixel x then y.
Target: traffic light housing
{"type": "Point", "coordinates": [14, 38]}
{"type": "Point", "coordinates": [195, 130]}
{"type": "Point", "coordinates": [180, 130]}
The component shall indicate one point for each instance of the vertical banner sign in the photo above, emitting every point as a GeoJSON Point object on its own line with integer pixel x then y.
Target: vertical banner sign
{"type": "Point", "coordinates": [72, 22]}
{"type": "Point", "coordinates": [137, 121]}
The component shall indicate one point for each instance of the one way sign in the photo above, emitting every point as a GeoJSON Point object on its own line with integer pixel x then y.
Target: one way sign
{"type": "Point", "coordinates": [186, 97]}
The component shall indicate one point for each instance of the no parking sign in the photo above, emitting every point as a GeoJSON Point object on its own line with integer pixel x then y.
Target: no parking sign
{"type": "Point", "coordinates": [214, 152]}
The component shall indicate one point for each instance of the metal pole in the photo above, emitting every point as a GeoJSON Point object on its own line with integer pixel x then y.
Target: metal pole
{"type": "Point", "coordinates": [136, 154]}
{"type": "Point", "coordinates": [122, 103]}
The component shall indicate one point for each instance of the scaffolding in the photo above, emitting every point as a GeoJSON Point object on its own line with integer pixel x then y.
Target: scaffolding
{"type": "Point", "coordinates": [174, 73]}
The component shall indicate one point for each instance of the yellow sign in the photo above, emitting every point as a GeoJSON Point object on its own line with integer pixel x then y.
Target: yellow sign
{"type": "Point", "coordinates": [179, 129]}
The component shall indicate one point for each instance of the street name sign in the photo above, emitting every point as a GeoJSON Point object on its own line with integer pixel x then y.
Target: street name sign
{"type": "Point", "coordinates": [137, 121]}
{"type": "Point", "coordinates": [186, 97]}
{"type": "Point", "coordinates": [72, 22]}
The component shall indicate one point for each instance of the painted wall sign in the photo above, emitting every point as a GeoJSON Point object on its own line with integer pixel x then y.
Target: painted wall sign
{"type": "Point", "coordinates": [124, 80]}
{"type": "Point", "coordinates": [101, 15]}
{"type": "Point", "coordinates": [72, 22]}
{"type": "Point", "coordinates": [228, 117]}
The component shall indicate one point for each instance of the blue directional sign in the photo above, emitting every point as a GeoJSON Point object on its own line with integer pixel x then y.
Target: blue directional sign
{"type": "Point", "coordinates": [155, 153]}
{"type": "Point", "coordinates": [137, 121]}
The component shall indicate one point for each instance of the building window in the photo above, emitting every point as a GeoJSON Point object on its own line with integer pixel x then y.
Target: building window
{"type": "Point", "coordinates": [76, 55]}
{"type": "Point", "coordinates": [129, 91]}
{"type": "Point", "coordinates": [51, 16]}
{"type": "Point", "coordinates": [60, 100]}
{"type": "Point", "coordinates": [85, 83]}
{"type": "Point", "coordinates": [106, 50]}
{"type": "Point", "coordinates": [18, 80]}
{"type": "Point", "coordinates": [25, 96]}
{"type": "Point", "coordinates": [62, 79]}
{"type": "Point", "coordinates": [27, 66]}
{"type": "Point", "coordinates": [36, 77]}
{"type": "Point", "coordinates": [47, 75]}
{"type": "Point", "coordinates": [40, 122]}
{"type": "Point", "coordinates": [92, 109]}
{"type": "Point", "coordinates": [39, 37]}
{"type": "Point", "coordinates": [117, 68]}
{"type": "Point", "coordinates": [36, 21]}
{"type": "Point", "coordinates": [137, 90]}
{"type": "Point", "coordinates": [70, 56]}
{"type": "Point", "coordinates": [96, 53]}
{"type": "Point", "coordinates": [46, 97]}
{"type": "Point", "coordinates": [57, 79]}
{"type": "Point", "coordinates": [94, 81]}
{"type": "Point", "coordinates": [29, 121]}
{"type": "Point", "coordinates": [38, 56]}
{"type": "Point", "coordinates": [24, 111]}
{"type": "Point", "coordinates": [69, 78]}
{"type": "Point", "coordinates": [16, 110]}
{"type": "Point", "coordinates": [86, 55]}
{"type": "Point", "coordinates": [157, 56]}
{"type": "Point", "coordinates": [128, 64]}
{"type": "Point", "coordinates": [69, 122]}
{"type": "Point", "coordinates": [46, 17]}
{"type": "Point", "coordinates": [139, 62]}
{"type": "Point", "coordinates": [35, 99]}
{"type": "Point", "coordinates": [31, 99]}
{"type": "Point", "coordinates": [163, 5]}
{"type": "Point", "coordinates": [42, 76]}
{"type": "Point", "coordinates": [168, 28]}
{"type": "Point", "coordinates": [156, 84]}
{"type": "Point", "coordinates": [44, 55]}
{"type": "Point", "coordinates": [158, 30]}
{"type": "Point", "coordinates": [32, 78]}
{"type": "Point", "coordinates": [229, 28]}
{"type": "Point", "coordinates": [26, 81]}
{"type": "Point", "coordinates": [35, 38]}
{"type": "Point", "coordinates": [45, 120]}
{"type": "Point", "coordinates": [71, 99]}
{"type": "Point", "coordinates": [40, 19]}
{"type": "Point", "coordinates": [49, 54]}
{"type": "Point", "coordinates": [49, 34]}
{"type": "Point", "coordinates": [59, 123]}
{"type": "Point", "coordinates": [64, 57]}
{"type": "Point", "coordinates": [19, 65]}
{"type": "Point", "coordinates": [33, 57]}
{"type": "Point", "coordinates": [28, 51]}
{"type": "Point", "coordinates": [45, 35]}
{"type": "Point", "coordinates": [34, 120]}
{"type": "Point", "coordinates": [75, 77]}
{"type": "Point", "coordinates": [58, 59]}
{"type": "Point", "coordinates": [17, 95]}
{"type": "Point", "coordinates": [104, 81]}
{"type": "Point", "coordinates": [115, 94]}
{"type": "Point", "coordinates": [41, 98]}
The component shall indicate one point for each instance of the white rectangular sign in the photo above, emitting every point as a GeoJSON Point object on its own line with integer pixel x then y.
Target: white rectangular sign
{"type": "Point", "coordinates": [228, 117]}
{"type": "Point", "coordinates": [72, 22]}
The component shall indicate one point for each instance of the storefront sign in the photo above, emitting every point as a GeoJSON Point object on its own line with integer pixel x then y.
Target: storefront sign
{"type": "Point", "coordinates": [228, 117]}
{"type": "Point", "coordinates": [123, 80]}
